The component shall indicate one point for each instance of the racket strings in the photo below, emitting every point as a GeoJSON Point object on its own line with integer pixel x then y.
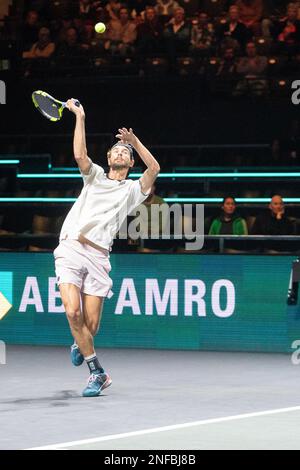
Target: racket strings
{"type": "Point", "coordinates": [47, 106]}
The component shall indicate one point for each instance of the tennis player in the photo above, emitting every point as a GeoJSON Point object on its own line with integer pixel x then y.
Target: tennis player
{"type": "Point", "coordinates": [82, 257]}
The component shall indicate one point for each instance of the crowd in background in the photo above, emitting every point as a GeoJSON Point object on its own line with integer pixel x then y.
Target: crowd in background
{"type": "Point", "coordinates": [242, 35]}
{"type": "Point", "coordinates": [242, 39]}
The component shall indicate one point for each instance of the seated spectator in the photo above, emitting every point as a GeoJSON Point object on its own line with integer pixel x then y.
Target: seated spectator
{"type": "Point", "coordinates": [233, 32]}
{"type": "Point", "coordinates": [88, 8]}
{"type": "Point", "coordinates": [177, 35]}
{"type": "Point", "coordinates": [229, 222]}
{"type": "Point", "coordinates": [113, 9]}
{"type": "Point", "coordinates": [152, 222]}
{"type": "Point", "coordinates": [202, 35]}
{"type": "Point", "coordinates": [165, 9]}
{"type": "Point", "coordinates": [30, 30]}
{"type": "Point", "coordinates": [252, 67]}
{"type": "Point", "coordinates": [149, 34]}
{"type": "Point", "coordinates": [273, 222]}
{"type": "Point", "coordinates": [251, 14]}
{"type": "Point", "coordinates": [44, 48]}
{"type": "Point", "coordinates": [79, 24]}
{"type": "Point", "coordinates": [61, 28]}
{"type": "Point", "coordinates": [227, 67]}
{"type": "Point", "coordinates": [70, 54]}
{"type": "Point", "coordinates": [138, 7]}
{"type": "Point", "coordinates": [121, 34]}
{"type": "Point", "coordinates": [191, 7]}
{"type": "Point", "coordinates": [287, 31]}
{"type": "Point", "coordinates": [91, 41]}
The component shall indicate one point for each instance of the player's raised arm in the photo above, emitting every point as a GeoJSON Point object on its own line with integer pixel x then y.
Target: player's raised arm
{"type": "Point", "coordinates": [153, 168]}
{"type": "Point", "coordinates": [79, 142]}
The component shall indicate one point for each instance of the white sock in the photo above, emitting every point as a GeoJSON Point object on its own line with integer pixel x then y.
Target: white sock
{"type": "Point", "coordinates": [90, 357]}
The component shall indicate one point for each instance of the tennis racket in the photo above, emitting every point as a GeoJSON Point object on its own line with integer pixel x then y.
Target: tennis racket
{"type": "Point", "coordinates": [51, 108]}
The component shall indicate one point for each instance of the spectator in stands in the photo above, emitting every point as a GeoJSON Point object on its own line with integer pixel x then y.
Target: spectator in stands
{"type": "Point", "coordinates": [233, 32]}
{"type": "Point", "coordinates": [227, 67]}
{"type": "Point", "coordinates": [79, 24]}
{"type": "Point", "coordinates": [113, 9]}
{"type": "Point", "coordinates": [252, 67]}
{"type": "Point", "coordinates": [61, 29]}
{"type": "Point", "coordinates": [149, 34]}
{"type": "Point", "coordinates": [287, 31]}
{"type": "Point", "coordinates": [165, 9]}
{"type": "Point", "coordinates": [152, 222]}
{"type": "Point", "coordinates": [121, 34]}
{"type": "Point", "coordinates": [202, 35]}
{"type": "Point", "coordinates": [40, 6]}
{"type": "Point", "coordinates": [70, 47]}
{"type": "Point", "coordinates": [275, 221]}
{"type": "Point", "coordinates": [191, 7]}
{"type": "Point", "coordinates": [138, 7]}
{"type": "Point", "coordinates": [251, 14]}
{"type": "Point", "coordinates": [43, 48]}
{"type": "Point", "coordinates": [30, 30]}
{"type": "Point", "coordinates": [91, 41]}
{"type": "Point", "coordinates": [88, 8]}
{"type": "Point", "coordinates": [229, 222]}
{"type": "Point", "coordinates": [177, 35]}
{"type": "Point", "coordinates": [70, 56]}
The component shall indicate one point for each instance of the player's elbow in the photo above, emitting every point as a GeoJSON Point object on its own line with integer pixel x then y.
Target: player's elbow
{"type": "Point", "coordinates": [155, 169]}
{"type": "Point", "coordinates": [79, 157]}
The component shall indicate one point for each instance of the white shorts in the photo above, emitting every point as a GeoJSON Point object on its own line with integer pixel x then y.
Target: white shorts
{"type": "Point", "coordinates": [82, 265]}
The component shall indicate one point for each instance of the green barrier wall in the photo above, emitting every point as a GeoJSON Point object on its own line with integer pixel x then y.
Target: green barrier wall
{"type": "Point", "coordinates": [211, 302]}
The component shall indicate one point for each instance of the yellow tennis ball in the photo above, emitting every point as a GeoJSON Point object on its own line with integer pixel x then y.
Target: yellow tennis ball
{"type": "Point", "coordinates": [100, 27]}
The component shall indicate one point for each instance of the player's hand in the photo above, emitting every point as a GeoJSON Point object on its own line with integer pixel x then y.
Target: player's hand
{"type": "Point", "coordinates": [78, 110]}
{"type": "Point", "coordinates": [280, 214]}
{"type": "Point", "coordinates": [127, 137]}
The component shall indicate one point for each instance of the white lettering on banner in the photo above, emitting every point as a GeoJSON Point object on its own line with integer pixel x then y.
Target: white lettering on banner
{"type": "Point", "coordinates": [128, 287]}
{"type": "Point", "coordinates": [54, 294]}
{"type": "Point", "coordinates": [170, 293]}
{"type": "Point", "coordinates": [2, 92]}
{"type": "Point", "coordinates": [159, 301]}
{"type": "Point", "coordinates": [296, 94]}
{"type": "Point", "coordinates": [215, 298]}
{"type": "Point", "coordinates": [31, 284]}
{"type": "Point", "coordinates": [197, 297]}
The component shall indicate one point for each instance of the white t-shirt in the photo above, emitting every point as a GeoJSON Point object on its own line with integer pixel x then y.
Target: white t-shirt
{"type": "Point", "coordinates": [101, 207]}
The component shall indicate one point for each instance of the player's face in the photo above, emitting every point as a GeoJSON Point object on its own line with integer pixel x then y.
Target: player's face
{"type": "Point", "coordinates": [120, 157]}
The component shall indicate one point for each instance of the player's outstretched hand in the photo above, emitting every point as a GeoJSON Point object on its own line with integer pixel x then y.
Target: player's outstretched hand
{"type": "Point", "coordinates": [75, 109]}
{"type": "Point", "coordinates": [127, 136]}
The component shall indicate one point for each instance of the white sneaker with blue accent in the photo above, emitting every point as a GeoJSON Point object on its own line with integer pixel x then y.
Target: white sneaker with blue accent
{"type": "Point", "coordinates": [96, 383]}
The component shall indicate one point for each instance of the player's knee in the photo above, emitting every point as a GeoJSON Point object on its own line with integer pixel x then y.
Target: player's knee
{"type": "Point", "coordinates": [94, 328]}
{"type": "Point", "coordinates": [74, 315]}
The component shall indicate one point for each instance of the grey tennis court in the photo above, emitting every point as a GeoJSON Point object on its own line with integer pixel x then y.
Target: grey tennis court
{"type": "Point", "coordinates": [158, 400]}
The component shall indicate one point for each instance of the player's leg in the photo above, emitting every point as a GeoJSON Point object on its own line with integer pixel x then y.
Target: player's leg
{"type": "Point", "coordinates": [92, 310]}
{"type": "Point", "coordinates": [98, 379]}
{"type": "Point", "coordinates": [70, 295]}
{"type": "Point", "coordinates": [92, 307]}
